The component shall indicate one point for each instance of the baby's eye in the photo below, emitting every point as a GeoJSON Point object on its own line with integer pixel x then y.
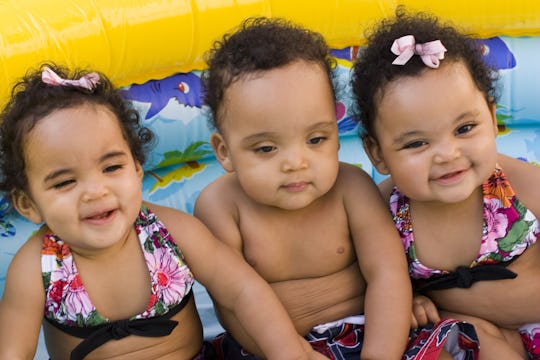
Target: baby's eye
{"type": "Point", "coordinates": [63, 184]}
{"type": "Point", "coordinates": [112, 168]}
{"type": "Point", "coordinates": [265, 149]}
{"type": "Point", "coordinates": [316, 140]}
{"type": "Point", "coordinates": [414, 144]}
{"type": "Point", "coordinates": [464, 129]}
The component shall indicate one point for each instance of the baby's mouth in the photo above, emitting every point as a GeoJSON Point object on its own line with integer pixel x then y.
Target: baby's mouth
{"type": "Point", "coordinates": [101, 215]}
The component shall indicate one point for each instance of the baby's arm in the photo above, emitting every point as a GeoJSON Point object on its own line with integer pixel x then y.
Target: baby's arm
{"type": "Point", "coordinates": [382, 262]}
{"type": "Point", "coordinates": [236, 287]}
{"type": "Point", "coordinates": [21, 307]}
{"type": "Point", "coordinates": [213, 209]}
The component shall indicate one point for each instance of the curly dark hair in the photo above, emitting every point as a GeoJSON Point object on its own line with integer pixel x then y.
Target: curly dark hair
{"type": "Point", "coordinates": [32, 99]}
{"type": "Point", "coordinates": [373, 70]}
{"type": "Point", "coordinates": [259, 44]}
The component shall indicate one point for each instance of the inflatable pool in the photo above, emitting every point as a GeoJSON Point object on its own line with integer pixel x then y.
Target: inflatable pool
{"type": "Point", "coordinates": [154, 50]}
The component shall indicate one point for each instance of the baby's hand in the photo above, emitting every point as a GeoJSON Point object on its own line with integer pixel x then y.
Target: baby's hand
{"type": "Point", "coordinates": [424, 311]}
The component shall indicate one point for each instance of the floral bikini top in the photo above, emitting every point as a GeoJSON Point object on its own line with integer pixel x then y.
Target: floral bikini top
{"type": "Point", "coordinates": [508, 230]}
{"type": "Point", "coordinates": [69, 307]}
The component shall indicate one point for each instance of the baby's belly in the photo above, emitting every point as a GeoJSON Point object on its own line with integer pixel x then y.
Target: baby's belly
{"type": "Point", "coordinates": [314, 301]}
{"type": "Point", "coordinates": [184, 342]}
{"type": "Point", "coordinates": [509, 303]}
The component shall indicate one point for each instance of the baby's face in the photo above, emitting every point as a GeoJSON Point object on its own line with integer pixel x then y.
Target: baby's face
{"type": "Point", "coordinates": [83, 180]}
{"type": "Point", "coordinates": [279, 135]}
{"type": "Point", "coordinates": [436, 134]}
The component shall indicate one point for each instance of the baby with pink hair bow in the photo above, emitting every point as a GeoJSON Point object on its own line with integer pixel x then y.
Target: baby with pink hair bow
{"type": "Point", "coordinates": [106, 275]}
{"type": "Point", "coordinates": [466, 214]}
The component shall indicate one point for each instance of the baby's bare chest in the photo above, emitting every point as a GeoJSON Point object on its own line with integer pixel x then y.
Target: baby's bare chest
{"type": "Point", "coordinates": [292, 247]}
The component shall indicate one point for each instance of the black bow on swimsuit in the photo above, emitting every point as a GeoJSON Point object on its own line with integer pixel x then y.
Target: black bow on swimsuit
{"type": "Point", "coordinates": [153, 327]}
{"type": "Point", "coordinates": [96, 336]}
{"type": "Point", "coordinates": [465, 276]}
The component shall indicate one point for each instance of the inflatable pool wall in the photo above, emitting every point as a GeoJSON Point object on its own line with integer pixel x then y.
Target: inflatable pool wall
{"type": "Point", "coordinates": [137, 40]}
{"type": "Point", "coordinates": [154, 50]}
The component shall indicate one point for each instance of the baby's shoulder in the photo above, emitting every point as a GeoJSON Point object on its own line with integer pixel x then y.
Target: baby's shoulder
{"type": "Point", "coordinates": [353, 172]}
{"type": "Point", "coordinates": [221, 186]}
{"type": "Point", "coordinates": [523, 178]}
{"type": "Point", "coordinates": [33, 245]}
{"type": "Point", "coordinates": [26, 264]}
{"type": "Point", "coordinates": [357, 189]}
{"type": "Point", "coordinates": [168, 215]}
{"type": "Point", "coordinates": [177, 222]}
{"type": "Point", "coordinates": [353, 178]}
{"type": "Point", "coordinates": [519, 172]}
{"type": "Point", "coordinates": [222, 194]}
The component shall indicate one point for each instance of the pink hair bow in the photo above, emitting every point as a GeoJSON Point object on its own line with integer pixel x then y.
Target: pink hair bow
{"type": "Point", "coordinates": [88, 81]}
{"type": "Point", "coordinates": [430, 53]}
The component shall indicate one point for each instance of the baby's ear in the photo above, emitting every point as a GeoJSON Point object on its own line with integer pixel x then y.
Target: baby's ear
{"type": "Point", "coordinates": [222, 151]}
{"type": "Point", "coordinates": [26, 206]}
{"type": "Point", "coordinates": [373, 151]}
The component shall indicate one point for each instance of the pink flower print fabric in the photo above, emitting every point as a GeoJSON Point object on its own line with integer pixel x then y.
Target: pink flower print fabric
{"type": "Point", "coordinates": [509, 227]}
{"type": "Point", "coordinates": [67, 301]}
